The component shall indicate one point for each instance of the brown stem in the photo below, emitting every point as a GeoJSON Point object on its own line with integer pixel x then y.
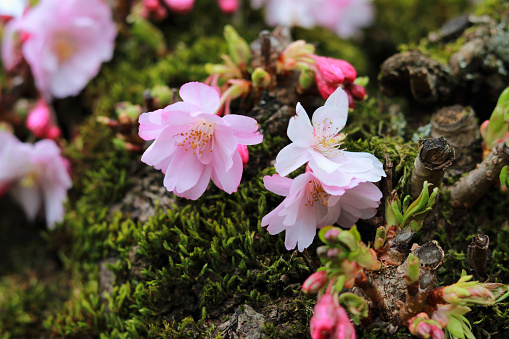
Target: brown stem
{"type": "Point", "coordinates": [466, 192]}
{"type": "Point", "coordinates": [478, 256]}
{"type": "Point", "coordinates": [366, 284]}
{"type": "Point", "coordinates": [436, 296]}
{"type": "Point", "coordinates": [435, 155]}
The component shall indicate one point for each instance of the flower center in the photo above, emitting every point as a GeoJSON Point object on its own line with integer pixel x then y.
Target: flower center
{"type": "Point", "coordinates": [31, 179]}
{"type": "Point", "coordinates": [329, 145]}
{"type": "Point", "coordinates": [316, 194]}
{"type": "Point", "coordinates": [196, 139]}
{"type": "Point", "coordinates": [63, 47]}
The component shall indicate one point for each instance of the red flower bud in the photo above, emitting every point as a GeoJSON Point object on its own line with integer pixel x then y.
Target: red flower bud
{"type": "Point", "coordinates": [228, 6]}
{"type": "Point", "coordinates": [315, 282]}
{"type": "Point", "coordinates": [323, 321]}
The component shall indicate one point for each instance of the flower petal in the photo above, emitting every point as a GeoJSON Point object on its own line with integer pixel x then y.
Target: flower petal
{"type": "Point", "coordinates": [300, 130]}
{"type": "Point", "coordinates": [197, 190]}
{"type": "Point", "coordinates": [290, 158]}
{"type": "Point", "coordinates": [277, 184]}
{"type": "Point", "coordinates": [331, 118]}
{"type": "Point", "coordinates": [200, 95]}
{"type": "Point", "coordinates": [29, 198]}
{"type": "Point", "coordinates": [245, 129]}
{"type": "Point", "coordinates": [229, 180]}
{"type": "Point", "coordinates": [163, 146]}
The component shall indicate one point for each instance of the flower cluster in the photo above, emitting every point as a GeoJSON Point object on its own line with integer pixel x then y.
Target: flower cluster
{"type": "Point", "coordinates": [326, 73]}
{"type": "Point", "coordinates": [64, 43]}
{"type": "Point", "coordinates": [35, 175]}
{"type": "Point", "coordinates": [345, 17]}
{"type": "Point", "coordinates": [338, 186]}
{"type": "Point", "coordinates": [193, 144]}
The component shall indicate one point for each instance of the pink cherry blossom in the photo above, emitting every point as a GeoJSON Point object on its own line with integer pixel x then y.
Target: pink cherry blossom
{"type": "Point", "coordinates": [67, 43]}
{"type": "Point", "coordinates": [312, 204]}
{"type": "Point", "coordinates": [193, 145]}
{"type": "Point", "coordinates": [344, 17]}
{"type": "Point", "coordinates": [36, 175]}
{"type": "Point", "coordinates": [320, 142]}
{"type": "Point", "coordinates": [228, 6]}
{"type": "Point", "coordinates": [180, 6]}
{"type": "Point", "coordinates": [288, 12]}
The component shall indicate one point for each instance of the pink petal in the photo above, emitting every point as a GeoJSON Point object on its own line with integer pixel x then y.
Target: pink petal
{"type": "Point", "coordinates": [150, 125]}
{"type": "Point", "coordinates": [225, 145]}
{"type": "Point", "coordinates": [200, 95]}
{"type": "Point", "coordinates": [229, 181]}
{"type": "Point", "coordinates": [163, 146]}
{"type": "Point", "coordinates": [300, 130]}
{"type": "Point", "coordinates": [290, 158]}
{"type": "Point", "coordinates": [303, 231]}
{"type": "Point", "coordinates": [29, 198]}
{"type": "Point", "coordinates": [197, 190]}
{"type": "Point", "coordinates": [54, 199]}
{"type": "Point", "coordinates": [244, 129]}
{"type": "Point", "coordinates": [274, 221]}
{"type": "Point", "coordinates": [185, 171]}
{"type": "Point", "coordinates": [277, 184]}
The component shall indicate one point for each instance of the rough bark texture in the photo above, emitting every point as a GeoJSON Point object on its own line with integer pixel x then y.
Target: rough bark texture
{"type": "Point", "coordinates": [417, 76]}
{"type": "Point", "coordinates": [435, 155]}
{"type": "Point", "coordinates": [476, 183]}
{"type": "Point", "coordinates": [459, 126]}
{"type": "Point", "coordinates": [478, 256]}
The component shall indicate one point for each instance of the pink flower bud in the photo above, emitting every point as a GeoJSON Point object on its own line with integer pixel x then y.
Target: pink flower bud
{"type": "Point", "coordinates": [357, 91]}
{"type": "Point", "coordinates": [437, 332]}
{"type": "Point", "coordinates": [344, 327]}
{"type": "Point", "coordinates": [315, 282]}
{"type": "Point", "coordinates": [228, 6]}
{"type": "Point", "coordinates": [331, 236]}
{"type": "Point", "coordinates": [151, 5]}
{"type": "Point", "coordinates": [39, 119]}
{"type": "Point", "coordinates": [423, 330]}
{"type": "Point", "coordinates": [180, 6]}
{"type": "Point", "coordinates": [323, 321]}
{"type": "Point", "coordinates": [244, 154]}
{"type": "Point", "coordinates": [54, 133]}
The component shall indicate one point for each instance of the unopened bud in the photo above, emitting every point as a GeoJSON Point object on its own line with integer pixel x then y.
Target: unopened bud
{"type": "Point", "coordinates": [381, 234]}
{"type": "Point", "coordinates": [54, 133]}
{"type": "Point", "coordinates": [315, 282]}
{"type": "Point", "coordinates": [331, 236]}
{"type": "Point", "coordinates": [413, 269]}
{"type": "Point", "coordinates": [244, 154]}
{"type": "Point", "coordinates": [357, 91]}
{"type": "Point", "coordinates": [228, 6]}
{"type": "Point", "coordinates": [260, 78]}
{"type": "Point", "coordinates": [39, 119]}
{"type": "Point", "coordinates": [306, 78]}
{"type": "Point", "coordinates": [238, 48]}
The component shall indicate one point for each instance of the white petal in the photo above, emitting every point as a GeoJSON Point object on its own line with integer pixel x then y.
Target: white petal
{"type": "Point", "coordinates": [300, 130]}
{"type": "Point", "coordinates": [290, 158]}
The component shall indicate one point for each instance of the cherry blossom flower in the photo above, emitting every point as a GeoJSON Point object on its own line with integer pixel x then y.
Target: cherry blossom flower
{"type": "Point", "coordinates": [320, 142]}
{"type": "Point", "coordinates": [66, 42]}
{"type": "Point", "coordinates": [344, 17]}
{"type": "Point", "coordinates": [288, 12]}
{"type": "Point", "coordinates": [36, 176]}
{"type": "Point", "coordinates": [180, 6]}
{"type": "Point", "coordinates": [311, 204]}
{"type": "Point", "coordinates": [193, 145]}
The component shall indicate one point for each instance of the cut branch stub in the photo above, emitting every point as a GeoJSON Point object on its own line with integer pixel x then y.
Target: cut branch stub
{"type": "Point", "coordinates": [459, 126]}
{"type": "Point", "coordinates": [478, 256]}
{"type": "Point", "coordinates": [430, 255]}
{"type": "Point", "coordinates": [466, 192]}
{"type": "Point", "coordinates": [435, 155]}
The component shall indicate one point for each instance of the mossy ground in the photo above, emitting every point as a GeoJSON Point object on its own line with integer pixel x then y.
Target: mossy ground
{"type": "Point", "coordinates": [189, 267]}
